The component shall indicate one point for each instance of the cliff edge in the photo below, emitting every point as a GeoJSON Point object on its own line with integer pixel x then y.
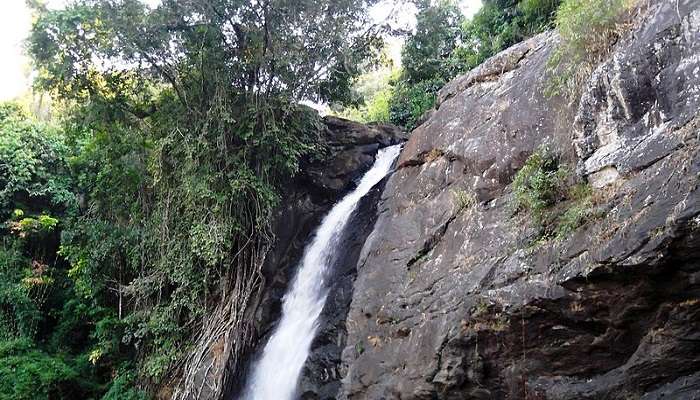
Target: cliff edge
{"type": "Point", "coordinates": [459, 295]}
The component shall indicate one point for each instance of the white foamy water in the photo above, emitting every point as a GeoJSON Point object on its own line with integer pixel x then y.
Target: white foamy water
{"type": "Point", "coordinates": [276, 374]}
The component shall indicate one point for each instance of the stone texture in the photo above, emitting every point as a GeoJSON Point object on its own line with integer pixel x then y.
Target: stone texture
{"type": "Point", "coordinates": [351, 147]}
{"type": "Point", "coordinates": [459, 303]}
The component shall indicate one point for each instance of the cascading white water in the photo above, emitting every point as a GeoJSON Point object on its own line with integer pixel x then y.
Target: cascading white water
{"type": "Point", "coordinates": [276, 374]}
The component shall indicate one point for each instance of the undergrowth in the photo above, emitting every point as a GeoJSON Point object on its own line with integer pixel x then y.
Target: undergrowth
{"type": "Point", "coordinates": [539, 184]}
{"type": "Point", "coordinates": [588, 29]}
{"type": "Point", "coordinates": [543, 189]}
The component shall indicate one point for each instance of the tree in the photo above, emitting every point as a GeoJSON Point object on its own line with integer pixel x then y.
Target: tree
{"type": "Point", "coordinates": [500, 24]}
{"type": "Point", "coordinates": [446, 45]}
{"type": "Point", "coordinates": [426, 53]}
{"type": "Point", "coordinates": [187, 120]}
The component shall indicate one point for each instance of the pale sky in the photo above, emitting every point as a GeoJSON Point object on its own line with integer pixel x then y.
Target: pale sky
{"type": "Point", "coordinates": [15, 22]}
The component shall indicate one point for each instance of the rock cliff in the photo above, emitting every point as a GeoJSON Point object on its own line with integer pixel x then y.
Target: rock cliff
{"type": "Point", "coordinates": [217, 372]}
{"type": "Point", "coordinates": [460, 299]}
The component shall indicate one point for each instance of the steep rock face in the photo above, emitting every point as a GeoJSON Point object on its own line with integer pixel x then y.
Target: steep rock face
{"type": "Point", "coordinates": [320, 378]}
{"type": "Point", "coordinates": [458, 301]}
{"type": "Point", "coordinates": [352, 148]}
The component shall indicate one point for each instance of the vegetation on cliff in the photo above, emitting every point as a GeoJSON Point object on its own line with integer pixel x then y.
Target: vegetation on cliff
{"type": "Point", "coordinates": [445, 44]}
{"type": "Point", "coordinates": [157, 181]}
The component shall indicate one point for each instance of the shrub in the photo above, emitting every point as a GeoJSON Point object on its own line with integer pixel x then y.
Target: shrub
{"type": "Point", "coordinates": [539, 184]}
{"type": "Point", "coordinates": [411, 101]}
{"type": "Point", "coordinates": [542, 189]}
{"type": "Point", "coordinates": [463, 199]}
{"type": "Point", "coordinates": [588, 29]}
{"type": "Point", "coordinates": [27, 373]}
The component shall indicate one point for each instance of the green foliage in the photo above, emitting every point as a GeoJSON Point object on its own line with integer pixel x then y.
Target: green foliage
{"type": "Point", "coordinates": [33, 165]}
{"type": "Point", "coordinates": [426, 53]}
{"type": "Point", "coordinates": [411, 101]}
{"type": "Point", "coordinates": [27, 373]}
{"type": "Point", "coordinates": [375, 91]}
{"type": "Point", "coordinates": [182, 123]}
{"type": "Point", "coordinates": [288, 48]}
{"type": "Point", "coordinates": [445, 45]}
{"type": "Point", "coordinates": [123, 388]}
{"type": "Point", "coordinates": [19, 313]}
{"type": "Point", "coordinates": [46, 334]}
{"type": "Point", "coordinates": [30, 372]}
{"type": "Point", "coordinates": [542, 188]}
{"type": "Point", "coordinates": [588, 29]}
{"type": "Point", "coordinates": [377, 109]}
{"type": "Point", "coordinates": [500, 24]}
{"type": "Point", "coordinates": [539, 184]}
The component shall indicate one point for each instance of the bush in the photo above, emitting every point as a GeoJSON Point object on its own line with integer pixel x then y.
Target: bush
{"type": "Point", "coordinates": [33, 165]}
{"type": "Point", "coordinates": [27, 373]}
{"type": "Point", "coordinates": [411, 101]}
{"type": "Point", "coordinates": [542, 188]}
{"type": "Point", "coordinates": [588, 29]}
{"type": "Point", "coordinates": [539, 184]}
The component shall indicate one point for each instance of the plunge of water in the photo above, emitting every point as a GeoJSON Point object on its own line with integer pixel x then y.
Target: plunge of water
{"type": "Point", "coordinates": [276, 373]}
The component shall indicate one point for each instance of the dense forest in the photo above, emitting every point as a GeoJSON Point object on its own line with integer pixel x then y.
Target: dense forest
{"type": "Point", "coordinates": [171, 131]}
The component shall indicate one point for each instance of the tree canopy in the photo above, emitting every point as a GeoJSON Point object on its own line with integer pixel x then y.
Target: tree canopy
{"type": "Point", "coordinates": [446, 44]}
{"type": "Point", "coordinates": [154, 187]}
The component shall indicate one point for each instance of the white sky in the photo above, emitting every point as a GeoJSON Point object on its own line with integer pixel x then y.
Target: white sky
{"type": "Point", "coordinates": [15, 22]}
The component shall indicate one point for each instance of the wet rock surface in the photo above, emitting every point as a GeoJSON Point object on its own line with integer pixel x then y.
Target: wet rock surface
{"type": "Point", "coordinates": [352, 150]}
{"type": "Point", "coordinates": [351, 147]}
{"type": "Point", "coordinates": [461, 301]}
{"type": "Point", "coordinates": [320, 378]}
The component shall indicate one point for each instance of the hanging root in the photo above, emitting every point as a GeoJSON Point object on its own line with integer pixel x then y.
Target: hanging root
{"type": "Point", "coordinates": [226, 336]}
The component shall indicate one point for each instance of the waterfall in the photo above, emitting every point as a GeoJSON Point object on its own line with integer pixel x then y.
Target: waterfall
{"type": "Point", "coordinates": [276, 373]}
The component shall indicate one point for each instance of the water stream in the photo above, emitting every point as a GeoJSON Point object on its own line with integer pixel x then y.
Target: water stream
{"type": "Point", "coordinates": [276, 373]}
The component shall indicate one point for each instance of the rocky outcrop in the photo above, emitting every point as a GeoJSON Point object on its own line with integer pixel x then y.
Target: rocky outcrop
{"type": "Point", "coordinates": [351, 149]}
{"type": "Point", "coordinates": [458, 299]}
